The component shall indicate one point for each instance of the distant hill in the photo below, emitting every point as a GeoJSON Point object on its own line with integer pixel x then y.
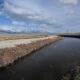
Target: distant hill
{"type": "Point", "coordinates": [29, 32]}
{"type": "Point", "coordinates": [76, 35]}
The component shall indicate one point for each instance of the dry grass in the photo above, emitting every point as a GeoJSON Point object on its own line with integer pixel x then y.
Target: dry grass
{"type": "Point", "coordinates": [13, 43]}
{"type": "Point", "coordinates": [9, 55]}
{"type": "Point", "coordinates": [19, 36]}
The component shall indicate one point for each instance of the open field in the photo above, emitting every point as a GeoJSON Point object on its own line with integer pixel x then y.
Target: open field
{"type": "Point", "coordinates": [13, 43]}
{"type": "Point", "coordinates": [19, 36]}
{"type": "Point", "coordinates": [11, 50]}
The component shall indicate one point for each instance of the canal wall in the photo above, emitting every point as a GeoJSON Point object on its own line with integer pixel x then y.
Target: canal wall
{"type": "Point", "coordinates": [9, 55]}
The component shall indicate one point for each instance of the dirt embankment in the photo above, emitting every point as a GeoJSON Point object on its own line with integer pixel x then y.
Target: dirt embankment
{"type": "Point", "coordinates": [19, 36]}
{"type": "Point", "coordinates": [74, 74]}
{"type": "Point", "coordinates": [13, 43]}
{"type": "Point", "coordinates": [9, 55]}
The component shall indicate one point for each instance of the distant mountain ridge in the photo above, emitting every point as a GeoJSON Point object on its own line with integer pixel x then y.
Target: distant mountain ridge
{"type": "Point", "coordinates": [27, 32]}
{"type": "Point", "coordinates": [35, 32]}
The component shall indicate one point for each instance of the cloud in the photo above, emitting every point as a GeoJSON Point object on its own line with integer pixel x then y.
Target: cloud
{"type": "Point", "coordinates": [26, 14]}
{"type": "Point", "coordinates": [74, 2]}
{"type": "Point", "coordinates": [12, 28]}
{"type": "Point", "coordinates": [29, 20]}
{"type": "Point", "coordinates": [72, 13]}
{"type": "Point", "coordinates": [15, 9]}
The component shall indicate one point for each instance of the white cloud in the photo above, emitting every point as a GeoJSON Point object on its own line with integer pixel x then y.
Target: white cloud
{"type": "Point", "coordinates": [12, 28]}
{"type": "Point", "coordinates": [69, 1]}
{"type": "Point", "coordinates": [34, 17]}
{"type": "Point", "coordinates": [1, 13]}
{"type": "Point", "coordinates": [25, 14]}
{"type": "Point", "coordinates": [21, 15]}
{"type": "Point", "coordinates": [72, 12]}
{"type": "Point", "coordinates": [16, 10]}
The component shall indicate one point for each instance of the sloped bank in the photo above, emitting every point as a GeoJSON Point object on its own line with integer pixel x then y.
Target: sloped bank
{"type": "Point", "coordinates": [9, 55]}
{"type": "Point", "coordinates": [74, 74]}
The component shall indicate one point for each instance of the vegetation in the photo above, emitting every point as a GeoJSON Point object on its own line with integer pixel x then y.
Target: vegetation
{"type": "Point", "coordinates": [19, 36]}
{"type": "Point", "coordinates": [76, 35]}
{"type": "Point", "coordinates": [9, 55]}
{"type": "Point", "coordinates": [73, 75]}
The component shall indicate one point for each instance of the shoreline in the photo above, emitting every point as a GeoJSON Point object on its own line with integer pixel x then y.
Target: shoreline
{"type": "Point", "coordinates": [9, 55]}
{"type": "Point", "coordinates": [73, 74]}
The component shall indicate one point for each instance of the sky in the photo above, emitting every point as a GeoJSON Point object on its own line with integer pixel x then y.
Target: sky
{"type": "Point", "coordinates": [52, 16]}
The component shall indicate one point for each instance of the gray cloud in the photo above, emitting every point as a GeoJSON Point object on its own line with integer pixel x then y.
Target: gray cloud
{"type": "Point", "coordinates": [30, 19]}
{"type": "Point", "coordinates": [28, 15]}
{"type": "Point", "coordinates": [74, 2]}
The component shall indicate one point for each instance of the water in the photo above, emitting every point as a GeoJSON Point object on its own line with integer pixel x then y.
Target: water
{"type": "Point", "coordinates": [49, 63]}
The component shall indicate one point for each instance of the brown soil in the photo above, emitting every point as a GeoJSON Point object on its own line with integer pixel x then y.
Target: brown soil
{"type": "Point", "coordinates": [9, 55]}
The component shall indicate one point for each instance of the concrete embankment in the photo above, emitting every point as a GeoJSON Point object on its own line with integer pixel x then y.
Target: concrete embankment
{"type": "Point", "coordinates": [22, 48]}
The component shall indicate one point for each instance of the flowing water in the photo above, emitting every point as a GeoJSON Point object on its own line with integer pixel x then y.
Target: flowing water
{"type": "Point", "coordinates": [49, 63]}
